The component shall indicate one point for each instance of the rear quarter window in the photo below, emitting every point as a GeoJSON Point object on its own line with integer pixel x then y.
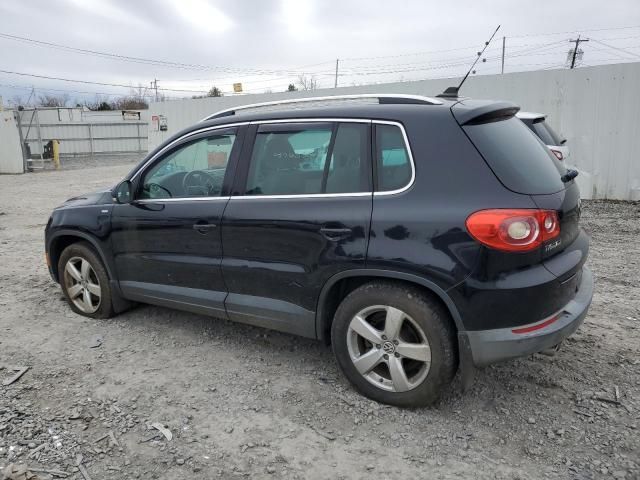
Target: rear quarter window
{"type": "Point", "coordinates": [517, 156]}
{"type": "Point", "coordinates": [392, 158]}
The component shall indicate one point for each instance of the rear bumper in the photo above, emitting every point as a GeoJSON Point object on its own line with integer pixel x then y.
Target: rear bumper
{"type": "Point", "coordinates": [490, 346]}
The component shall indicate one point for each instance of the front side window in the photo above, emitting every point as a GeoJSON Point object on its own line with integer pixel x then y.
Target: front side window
{"type": "Point", "coordinates": [194, 169]}
{"type": "Point", "coordinates": [307, 159]}
{"type": "Point", "coordinates": [393, 163]}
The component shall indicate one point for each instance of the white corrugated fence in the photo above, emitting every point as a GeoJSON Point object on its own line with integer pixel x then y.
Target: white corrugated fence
{"type": "Point", "coordinates": [597, 109]}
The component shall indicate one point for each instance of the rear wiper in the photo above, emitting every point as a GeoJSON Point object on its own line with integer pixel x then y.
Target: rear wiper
{"type": "Point", "coordinates": [570, 175]}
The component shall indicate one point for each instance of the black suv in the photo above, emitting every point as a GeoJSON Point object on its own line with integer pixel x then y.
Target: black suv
{"type": "Point", "coordinates": [416, 235]}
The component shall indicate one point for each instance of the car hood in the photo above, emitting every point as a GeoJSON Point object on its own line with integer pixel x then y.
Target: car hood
{"type": "Point", "coordinates": [92, 198]}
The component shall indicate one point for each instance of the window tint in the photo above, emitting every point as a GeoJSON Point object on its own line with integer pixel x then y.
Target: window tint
{"type": "Point", "coordinates": [195, 169]}
{"type": "Point", "coordinates": [517, 156]}
{"type": "Point", "coordinates": [546, 133]}
{"type": "Point", "coordinates": [304, 160]}
{"type": "Point", "coordinates": [393, 163]}
{"type": "Point", "coordinates": [349, 170]}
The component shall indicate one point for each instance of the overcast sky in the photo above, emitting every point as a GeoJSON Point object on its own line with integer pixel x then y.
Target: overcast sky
{"type": "Point", "coordinates": [266, 44]}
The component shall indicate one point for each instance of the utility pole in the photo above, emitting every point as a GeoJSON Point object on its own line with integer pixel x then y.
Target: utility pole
{"type": "Point", "coordinates": [335, 85]}
{"type": "Point", "coordinates": [154, 85]}
{"type": "Point", "coordinates": [575, 50]}
{"type": "Point", "coordinates": [503, 40]}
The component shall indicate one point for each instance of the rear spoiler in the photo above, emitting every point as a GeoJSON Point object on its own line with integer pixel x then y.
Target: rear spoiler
{"type": "Point", "coordinates": [473, 113]}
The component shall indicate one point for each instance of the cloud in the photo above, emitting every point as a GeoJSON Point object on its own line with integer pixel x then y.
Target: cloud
{"type": "Point", "coordinates": [245, 40]}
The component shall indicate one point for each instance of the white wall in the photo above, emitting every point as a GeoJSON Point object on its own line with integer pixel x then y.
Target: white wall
{"type": "Point", "coordinates": [596, 108]}
{"type": "Point", "coordinates": [10, 150]}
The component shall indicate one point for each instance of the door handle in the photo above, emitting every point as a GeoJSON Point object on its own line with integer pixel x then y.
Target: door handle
{"type": "Point", "coordinates": [335, 233]}
{"type": "Point", "coordinates": [204, 227]}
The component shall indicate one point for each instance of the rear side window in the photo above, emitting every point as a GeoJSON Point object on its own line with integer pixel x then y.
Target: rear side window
{"type": "Point", "coordinates": [517, 156]}
{"type": "Point", "coordinates": [393, 165]}
{"type": "Point", "coordinates": [307, 159]}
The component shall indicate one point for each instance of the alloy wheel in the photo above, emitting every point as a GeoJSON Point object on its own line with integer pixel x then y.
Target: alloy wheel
{"type": "Point", "coordinates": [388, 348]}
{"type": "Point", "coordinates": [82, 285]}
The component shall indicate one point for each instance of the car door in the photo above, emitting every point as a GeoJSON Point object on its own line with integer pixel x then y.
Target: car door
{"type": "Point", "coordinates": [167, 241]}
{"type": "Point", "coordinates": [299, 214]}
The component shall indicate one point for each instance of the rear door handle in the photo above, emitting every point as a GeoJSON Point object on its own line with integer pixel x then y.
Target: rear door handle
{"type": "Point", "coordinates": [335, 233]}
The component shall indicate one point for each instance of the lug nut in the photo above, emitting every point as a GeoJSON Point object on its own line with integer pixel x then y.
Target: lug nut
{"type": "Point", "coordinates": [397, 354]}
{"type": "Point", "coordinates": [384, 337]}
{"type": "Point", "coordinates": [386, 357]}
{"type": "Point", "coordinates": [396, 342]}
{"type": "Point", "coordinates": [378, 346]}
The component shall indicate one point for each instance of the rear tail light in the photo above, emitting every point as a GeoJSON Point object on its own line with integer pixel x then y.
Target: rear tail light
{"type": "Point", "coordinates": [513, 230]}
{"type": "Point", "coordinates": [557, 153]}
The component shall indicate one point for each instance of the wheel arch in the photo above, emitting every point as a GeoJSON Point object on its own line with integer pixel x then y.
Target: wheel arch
{"type": "Point", "coordinates": [334, 290]}
{"type": "Point", "coordinates": [63, 238]}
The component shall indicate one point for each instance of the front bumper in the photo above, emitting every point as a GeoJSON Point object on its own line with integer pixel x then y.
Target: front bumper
{"type": "Point", "coordinates": [490, 346]}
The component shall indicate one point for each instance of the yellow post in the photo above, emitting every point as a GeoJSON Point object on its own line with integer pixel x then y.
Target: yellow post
{"type": "Point", "coordinates": [56, 154]}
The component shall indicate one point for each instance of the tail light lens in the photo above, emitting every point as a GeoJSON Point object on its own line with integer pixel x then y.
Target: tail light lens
{"type": "Point", "coordinates": [557, 153]}
{"type": "Point", "coordinates": [513, 230]}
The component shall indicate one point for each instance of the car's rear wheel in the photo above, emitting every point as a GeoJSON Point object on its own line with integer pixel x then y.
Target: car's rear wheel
{"type": "Point", "coordinates": [84, 281]}
{"type": "Point", "coordinates": [394, 344]}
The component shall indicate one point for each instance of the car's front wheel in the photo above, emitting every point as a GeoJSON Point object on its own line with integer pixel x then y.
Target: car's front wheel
{"type": "Point", "coordinates": [394, 344]}
{"type": "Point", "coordinates": [84, 281]}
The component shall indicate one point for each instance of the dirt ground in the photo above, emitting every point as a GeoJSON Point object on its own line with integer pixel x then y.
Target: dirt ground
{"type": "Point", "coordinates": [241, 402]}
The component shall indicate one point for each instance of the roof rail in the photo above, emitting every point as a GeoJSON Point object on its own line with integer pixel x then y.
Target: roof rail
{"type": "Point", "coordinates": [383, 98]}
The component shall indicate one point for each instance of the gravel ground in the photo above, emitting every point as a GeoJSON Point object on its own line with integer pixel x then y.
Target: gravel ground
{"type": "Point", "coordinates": [240, 401]}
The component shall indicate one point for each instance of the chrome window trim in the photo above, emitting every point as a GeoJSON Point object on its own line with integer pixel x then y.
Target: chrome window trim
{"type": "Point", "coordinates": [288, 101]}
{"type": "Point", "coordinates": [294, 196]}
{"type": "Point", "coordinates": [411, 161]}
{"type": "Point", "coordinates": [312, 119]}
{"type": "Point", "coordinates": [337, 195]}
{"type": "Point", "coordinates": [179, 139]}
{"type": "Point", "coordinates": [180, 199]}
{"type": "Point", "coordinates": [301, 196]}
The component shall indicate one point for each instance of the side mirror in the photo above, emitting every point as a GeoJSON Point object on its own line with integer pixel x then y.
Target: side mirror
{"type": "Point", "coordinates": [122, 193]}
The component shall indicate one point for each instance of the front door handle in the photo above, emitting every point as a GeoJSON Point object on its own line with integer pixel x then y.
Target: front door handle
{"type": "Point", "coordinates": [335, 233]}
{"type": "Point", "coordinates": [204, 227]}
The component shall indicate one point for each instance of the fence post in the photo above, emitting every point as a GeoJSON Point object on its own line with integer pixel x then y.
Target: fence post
{"type": "Point", "coordinates": [139, 140]}
{"type": "Point", "coordinates": [40, 139]}
{"type": "Point", "coordinates": [90, 141]}
{"type": "Point", "coordinates": [25, 160]}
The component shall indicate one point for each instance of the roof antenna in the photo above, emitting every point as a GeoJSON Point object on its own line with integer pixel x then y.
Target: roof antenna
{"type": "Point", "coordinates": [452, 92]}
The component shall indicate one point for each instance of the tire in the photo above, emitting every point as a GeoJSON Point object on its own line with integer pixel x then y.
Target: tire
{"type": "Point", "coordinates": [424, 350]}
{"type": "Point", "coordinates": [82, 273]}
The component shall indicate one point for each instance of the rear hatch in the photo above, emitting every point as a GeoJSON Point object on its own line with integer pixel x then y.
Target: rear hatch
{"type": "Point", "coordinates": [524, 165]}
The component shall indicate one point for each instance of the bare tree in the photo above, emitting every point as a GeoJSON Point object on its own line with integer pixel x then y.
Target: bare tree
{"type": "Point", "coordinates": [130, 103]}
{"type": "Point", "coordinates": [53, 100]}
{"type": "Point", "coordinates": [307, 83]}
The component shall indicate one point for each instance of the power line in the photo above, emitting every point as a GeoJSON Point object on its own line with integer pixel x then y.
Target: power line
{"type": "Point", "coordinates": [617, 48]}
{"type": "Point", "coordinates": [147, 61]}
{"type": "Point", "coordinates": [24, 87]}
{"type": "Point", "coordinates": [94, 83]}
{"type": "Point", "coordinates": [573, 31]}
